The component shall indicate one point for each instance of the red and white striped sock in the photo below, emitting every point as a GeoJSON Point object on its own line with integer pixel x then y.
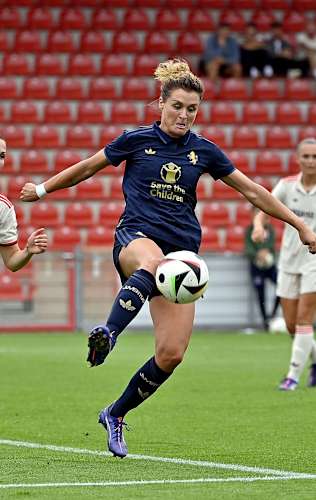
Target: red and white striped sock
{"type": "Point", "coordinates": [301, 349]}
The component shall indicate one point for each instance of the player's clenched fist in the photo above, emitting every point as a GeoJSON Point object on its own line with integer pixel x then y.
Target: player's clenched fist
{"type": "Point", "coordinates": [28, 192]}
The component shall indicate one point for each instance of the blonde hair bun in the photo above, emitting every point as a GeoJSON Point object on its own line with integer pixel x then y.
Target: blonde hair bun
{"type": "Point", "coordinates": [173, 69]}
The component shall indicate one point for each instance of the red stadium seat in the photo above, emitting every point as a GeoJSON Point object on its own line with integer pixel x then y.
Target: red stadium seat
{"type": "Point", "coordinates": [108, 134]}
{"type": "Point", "coordinates": [3, 116]}
{"type": "Point", "coordinates": [45, 214]}
{"type": "Point", "coordinates": [136, 19]}
{"type": "Point", "coordinates": [235, 238]}
{"type": "Point", "coordinates": [70, 88]}
{"type": "Point", "coordinates": [157, 42]}
{"type": "Point", "coordinates": [57, 112]}
{"type": "Point", "coordinates": [10, 18]}
{"type": "Point", "coordinates": [126, 41]}
{"type": "Point", "coordinates": [233, 89]}
{"type": "Point", "coordinates": [105, 19]}
{"type": "Point", "coordinates": [168, 19]}
{"type": "Point", "coordinates": [82, 65]}
{"type": "Point", "coordinates": [224, 112]}
{"type": "Point", "coordinates": [46, 136]}
{"type": "Point", "coordinates": [242, 4]}
{"type": "Point", "coordinates": [109, 214]}
{"type": "Point", "coordinates": [14, 186]}
{"type": "Point", "coordinates": [266, 90]}
{"type": "Point", "coordinates": [201, 190]}
{"type": "Point", "coordinates": [311, 114]}
{"type": "Point", "coordinates": [241, 161]}
{"type": "Point", "coordinates": [15, 136]}
{"type": "Point", "coordinates": [90, 189]}
{"type": "Point", "coordinates": [78, 215]}
{"type": "Point", "coordinates": [152, 113]}
{"type": "Point", "coordinates": [136, 88]}
{"type": "Point", "coordinates": [66, 158]}
{"type": "Point", "coordinates": [60, 41]}
{"type": "Point", "coordinates": [256, 112]}
{"type": "Point", "coordinates": [210, 90]}
{"type": "Point", "coordinates": [189, 43]}
{"type": "Point", "coordinates": [27, 41]}
{"type": "Point", "coordinates": [20, 215]}
{"type": "Point", "coordinates": [124, 112]}
{"type": "Point", "coordinates": [116, 191]}
{"type": "Point", "coordinates": [147, 3]}
{"type": "Point", "coordinates": [298, 89]}
{"type": "Point", "coordinates": [288, 113]}
{"type": "Point", "coordinates": [49, 64]}
{"type": "Point", "coordinates": [210, 240]}
{"type": "Point", "coordinates": [40, 18]}
{"type": "Point", "coordinates": [292, 165]}
{"type": "Point", "coordinates": [278, 137]}
{"type": "Point", "coordinates": [200, 20]}
{"type": "Point", "coordinates": [215, 134]}
{"type": "Point", "coordinates": [102, 88]}
{"type": "Point", "coordinates": [223, 192]}
{"type": "Point", "coordinates": [293, 22]}
{"type": "Point", "coordinates": [215, 214]}
{"type": "Point", "coordinates": [306, 133]}
{"type": "Point", "coordinates": [24, 112]}
{"type": "Point", "coordinates": [213, 4]}
{"type": "Point", "coordinates": [34, 162]}
{"type": "Point", "coordinates": [114, 65]}
{"type": "Point", "coordinates": [275, 4]}
{"type": "Point", "coordinates": [263, 19]}
{"type": "Point", "coordinates": [16, 64]}
{"type": "Point", "coordinates": [10, 165]}
{"type": "Point", "coordinates": [79, 137]}
{"type": "Point", "coordinates": [234, 19]}
{"type": "Point", "coordinates": [244, 213]}
{"type": "Point", "coordinates": [12, 289]}
{"type": "Point", "coordinates": [90, 112]}
{"type": "Point", "coordinates": [99, 236]}
{"type": "Point", "coordinates": [93, 41]}
{"type": "Point", "coordinates": [72, 18]}
{"type": "Point", "coordinates": [63, 194]}
{"type": "Point", "coordinates": [304, 5]}
{"type": "Point", "coordinates": [181, 4]}
{"type": "Point", "coordinates": [8, 88]}
{"type": "Point", "coordinates": [145, 65]}
{"type": "Point", "coordinates": [269, 163]}
{"type": "Point", "coordinates": [65, 239]}
{"type": "Point", "coordinates": [245, 137]}
{"type": "Point", "coordinates": [36, 88]}
{"type": "Point", "coordinates": [203, 115]}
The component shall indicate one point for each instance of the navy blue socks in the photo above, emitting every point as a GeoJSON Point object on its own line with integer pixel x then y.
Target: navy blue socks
{"type": "Point", "coordinates": [142, 385]}
{"type": "Point", "coordinates": [130, 300]}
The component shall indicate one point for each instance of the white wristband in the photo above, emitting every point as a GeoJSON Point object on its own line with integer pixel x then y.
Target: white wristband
{"type": "Point", "coordinates": [40, 190]}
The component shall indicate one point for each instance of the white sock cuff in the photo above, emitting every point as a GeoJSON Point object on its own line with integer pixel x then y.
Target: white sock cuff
{"type": "Point", "coordinates": [304, 330]}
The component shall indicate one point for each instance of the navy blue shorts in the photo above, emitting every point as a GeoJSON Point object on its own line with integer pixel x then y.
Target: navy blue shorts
{"type": "Point", "coordinates": [123, 237]}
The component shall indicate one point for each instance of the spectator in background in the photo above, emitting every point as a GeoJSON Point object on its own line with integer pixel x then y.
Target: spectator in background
{"type": "Point", "coordinates": [222, 54]}
{"type": "Point", "coordinates": [253, 54]}
{"type": "Point", "coordinates": [307, 42]}
{"type": "Point", "coordinates": [262, 268]}
{"type": "Point", "coordinates": [281, 55]}
{"type": "Point", "coordinates": [13, 257]}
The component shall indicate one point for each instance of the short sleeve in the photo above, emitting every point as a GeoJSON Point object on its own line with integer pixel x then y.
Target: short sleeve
{"type": "Point", "coordinates": [219, 164]}
{"type": "Point", "coordinates": [8, 227]}
{"type": "Point", "coordinates": [119, 150]}
{"type": "Point", "coordinates": [279, 191]}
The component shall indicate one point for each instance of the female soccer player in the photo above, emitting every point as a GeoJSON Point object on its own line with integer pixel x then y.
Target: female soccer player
{"type": "Point", "coordinates": [297, 268]}
{"type": "Point", "coordinates": [163, 165]}
{"type": "Point", "coordinates": [13, 257]}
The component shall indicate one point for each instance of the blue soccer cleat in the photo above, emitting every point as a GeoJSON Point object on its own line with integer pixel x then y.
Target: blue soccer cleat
{"type": "Point", "coordinates": [288, 384]}
{"type": "Point", "coordinates": [114, 428]}
{"type": "Point", "coordinates": [101, 342]}
{"type": "Point", "coordinates": [312, 376]}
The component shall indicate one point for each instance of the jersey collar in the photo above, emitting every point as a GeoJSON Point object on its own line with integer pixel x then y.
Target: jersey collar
{"type": "Point", "coordinates": [167, 139]}
{"type": "Point", "coordinates": [300, 186]}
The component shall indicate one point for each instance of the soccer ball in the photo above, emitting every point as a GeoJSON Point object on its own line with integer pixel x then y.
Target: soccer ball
{"type": "Point", "coordinates": [182, 277]}
{"type": "Point", "coordinates": [277, 325]}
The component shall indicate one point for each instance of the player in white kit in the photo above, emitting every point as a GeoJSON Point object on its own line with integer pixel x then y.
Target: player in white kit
{"type": "Point", "coordinates": [297, 267]}
{"type": "Point", "coordinates": [13, 257]}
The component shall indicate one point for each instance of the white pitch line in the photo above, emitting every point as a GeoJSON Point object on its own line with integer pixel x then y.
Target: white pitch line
{"type": "Point", "coordinates": [182, 461]}
{"type": "Point", "coordinates": [155, 481]}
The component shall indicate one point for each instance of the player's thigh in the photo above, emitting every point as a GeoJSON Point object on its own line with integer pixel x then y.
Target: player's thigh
{"type": "Point", "coordinates": [306, 309]}
{"type": "Point", "coordinates": [141, 253]}
{"type": "Point", "coordinates": [173, 327]}
{"type": "Point", "coordinates": [289, 309]}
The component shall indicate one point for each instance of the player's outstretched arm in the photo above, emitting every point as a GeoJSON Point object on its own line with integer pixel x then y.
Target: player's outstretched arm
{"type": "Point", "coordinates": [66, 178]}
{"type": "Point", "coordinates": [14, 258]}
{"type": "Point", "coordinates": [262, 199]}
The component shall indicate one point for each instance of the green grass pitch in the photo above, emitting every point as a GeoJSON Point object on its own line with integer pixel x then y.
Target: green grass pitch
{"type": "Point", "coordinates": [220, 407]}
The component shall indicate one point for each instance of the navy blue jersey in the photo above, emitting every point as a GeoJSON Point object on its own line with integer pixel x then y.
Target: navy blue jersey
{"type": "Point", "coordinates": [160, 180]}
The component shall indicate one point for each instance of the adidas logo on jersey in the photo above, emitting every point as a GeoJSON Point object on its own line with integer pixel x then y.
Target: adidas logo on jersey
{"type": "Point", "coordinates": [127, 305]}
{"type": "Point", "coordinates": [150, 151]}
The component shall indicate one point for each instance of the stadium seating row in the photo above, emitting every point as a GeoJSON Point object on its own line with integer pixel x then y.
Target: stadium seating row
{"type": "Point", "coordinates": [107, 88]}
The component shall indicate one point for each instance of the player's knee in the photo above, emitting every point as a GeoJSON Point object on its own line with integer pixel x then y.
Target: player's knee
{"type": "Point", "coordinates": [169, 357]}
{"type": "Point", "coordinates": [150, 263]}
{"type": "Point", "coordinates": [290, 327]}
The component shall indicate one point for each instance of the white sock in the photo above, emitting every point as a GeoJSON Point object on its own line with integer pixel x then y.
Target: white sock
{"type": "Point", "coordinates": [301, 349]}
{"type": "Point", "coordinates": [313, 352]}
